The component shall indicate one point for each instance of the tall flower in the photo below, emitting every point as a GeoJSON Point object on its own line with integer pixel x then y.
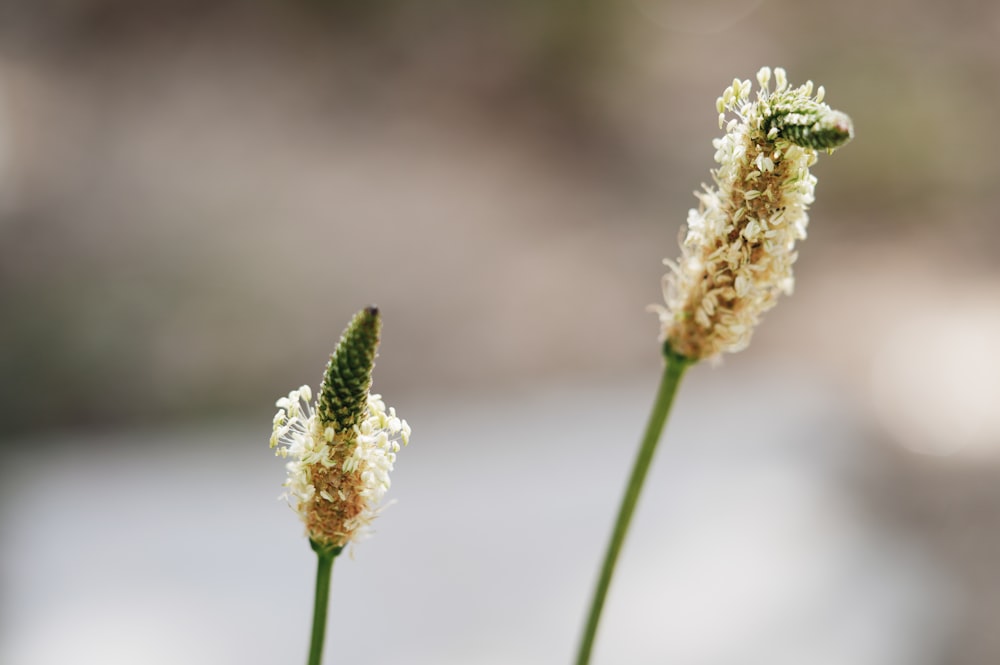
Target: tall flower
{"type": "Point", "coordinates": [739, 249]}
{"type": "Point", "coordinates": [736, 258]}
{"type": "Point", "coordinates": [343, 446]}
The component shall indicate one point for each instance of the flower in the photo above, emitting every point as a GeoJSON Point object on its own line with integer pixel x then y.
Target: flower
{"type": "Point", "coordinates": [343, 446]}
{"type": "Point", "coordinates": [738, 252]}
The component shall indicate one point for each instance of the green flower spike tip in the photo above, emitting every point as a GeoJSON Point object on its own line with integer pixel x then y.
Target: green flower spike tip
{"type": "Point", "coordinates": [348, 375]}
{"type": "Point", "coordinates": [795, 115]}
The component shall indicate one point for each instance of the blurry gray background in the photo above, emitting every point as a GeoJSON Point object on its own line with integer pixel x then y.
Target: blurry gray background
{"type": "Point", "coordinates": [196, 196]}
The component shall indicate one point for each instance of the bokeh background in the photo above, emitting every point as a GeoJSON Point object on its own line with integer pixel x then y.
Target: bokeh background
{"type": "Point", "coordinates": [196, 196]}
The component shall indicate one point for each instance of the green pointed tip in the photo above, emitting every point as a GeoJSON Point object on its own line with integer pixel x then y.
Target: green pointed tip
{"type": "Point", "coordinates": [343, 394]}
{"type": "Point", "coordinates": [821, 131]}
{"type": "Point", "coordinates": [807, 122]}
{"type": "Point", "coordinates": [830, 131]}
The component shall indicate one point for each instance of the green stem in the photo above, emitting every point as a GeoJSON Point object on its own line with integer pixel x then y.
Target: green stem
{"type": "Point", "coordinates": [324, 570]}
{"type": "Point", "coordinates": [673, 370]}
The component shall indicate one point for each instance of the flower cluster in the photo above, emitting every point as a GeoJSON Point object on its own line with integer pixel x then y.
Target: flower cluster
{"type": "Point", "coordinates": [738, 253]}
{"type": "Point", "coordinates": [343, 445]}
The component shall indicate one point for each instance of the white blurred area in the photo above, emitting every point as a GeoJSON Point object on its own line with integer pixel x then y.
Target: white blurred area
{"type": "Point", "coordinates": [947, 402]}
{"type": "Point", "coordinates": [751, 544]}
{"type": "Point", "coordinates": [196, 196]}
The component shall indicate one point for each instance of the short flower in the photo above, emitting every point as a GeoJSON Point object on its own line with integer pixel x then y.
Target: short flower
{"type": "Point", "coordinates": [343, 445]}
{"type": "Point", "coordinates": [738, 253]}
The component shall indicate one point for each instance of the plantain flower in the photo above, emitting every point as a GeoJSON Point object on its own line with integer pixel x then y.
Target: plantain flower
{"type": "Point", "coordinates": [342, 446]}
{"type": "Point", "coordinates": [739, 248]}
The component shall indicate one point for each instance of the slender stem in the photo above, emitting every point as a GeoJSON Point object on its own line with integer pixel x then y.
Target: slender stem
{"type": "Point", "coordinates": [324, 569]}
{"type": "Point", "coordinates": [672, 372]}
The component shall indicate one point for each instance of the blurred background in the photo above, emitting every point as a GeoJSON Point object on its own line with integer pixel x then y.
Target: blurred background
{"type": "Point", "coordinates": [196, 196]}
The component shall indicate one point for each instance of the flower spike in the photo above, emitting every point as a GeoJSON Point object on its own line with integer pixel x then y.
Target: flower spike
{"type": "Point", "coordinates": [342, 446]}
{"type": "Point", "coordinates": [739, 248]}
